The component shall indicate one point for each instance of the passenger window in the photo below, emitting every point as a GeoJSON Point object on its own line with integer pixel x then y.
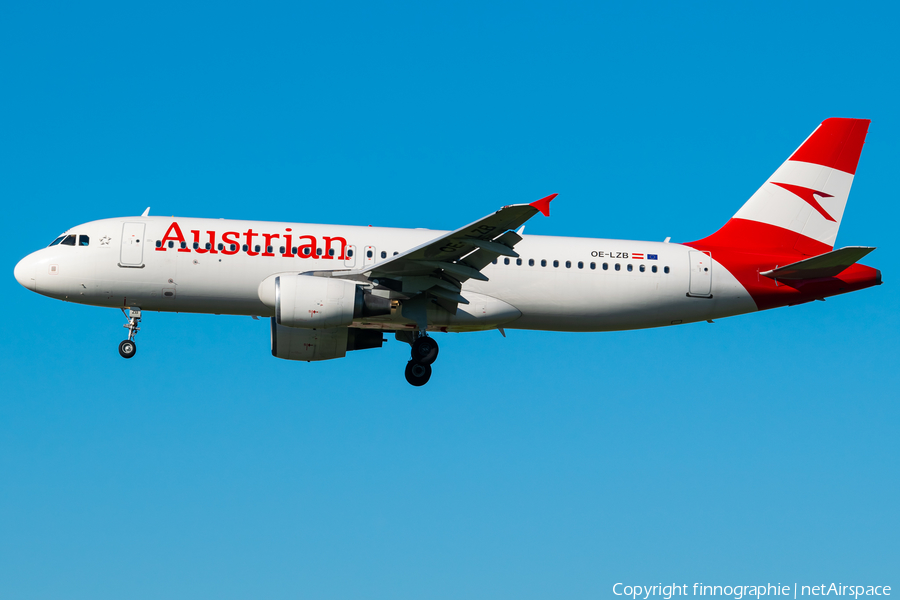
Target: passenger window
{"type": "Point", "coordinates": [318, 252]}
{"type": "Point", "coordinates": [233, 247]}
{"type": "Point", "coordinates": [196, 245]}
{"type": "Point", "coordinates": [568, 264]}
{"type": "Point", "coordinates": [653, 268]}
{"type": "Point", "coordinates": [618, 267]}
{"type": "Point", "coordinates": [505, 261]}
{"type": "Point", "coordinates": [555, 263]}
{"type": "Point", "coordinates": [630, 268]}
{"type": "Point", "coordinates": [383, 254]}
{"type": "Point", "coordinates": [580, 265]}
{"type": "Point", "coordinates": [396, 253]}
{"type": "Point", "coordinates": [666, 270]}
{"type": "Point", "coordinates": [171, 244]}
{"type": "Point", "coordinates": [256, 248]}
{"type": "Point", "coordinates": [183, 245]}
{"type": "Point", "coordinates": [543, 262]}
{"type": "Point", "coordinates": [530, 262]}
{"type": "Point", "coordinates": [593, 266]}
{"type": "Point", "coordinates": [84, 240]}
{"type": "Point", "coordinates": [68, 241]}
{"type": "Point", "coordinates": [368, 254]}
{"type": "Point", "coordinates": [519, 262]}
{"type": "Point", "coordinates": [642, 268]}
{"type": "Point", "coordinates": [331, 252]}
{"type": "Point", "coordinates": [606, 266]}
{"type": "Point", "coordinates": [159, 244]}
{"type": "Point", "coordinates": [281, 250]}
{"type": "Point", "coordinates": [245, 247]}
{"type": "Point", "coordinates": [494, 262]}
{"type": "Point", "coordinates": [269, 250]}
{"type": "Point", "coordinates": [208, 246]}
{"type": "Point", "coordinates": [221, 246]}
{"type": "Point", "coordinates": [349, 253]}
{"type": "Point", "coordinates": [57, 240]}
{"type": "Point", "coordinates": [293, 250]}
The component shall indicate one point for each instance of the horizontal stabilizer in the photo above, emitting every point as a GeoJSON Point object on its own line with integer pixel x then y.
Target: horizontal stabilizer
{"type": "Point", "coordinates": [829, 264]}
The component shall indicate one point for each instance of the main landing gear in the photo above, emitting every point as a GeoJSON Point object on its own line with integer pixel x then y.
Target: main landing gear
{"type": "Point", "coordinates": [127, 348]}
{"type": "Point", "coordinates": [424, 353]}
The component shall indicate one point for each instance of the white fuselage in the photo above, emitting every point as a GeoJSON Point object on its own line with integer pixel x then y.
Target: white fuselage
{"type": "Point", "coordinates": [562, 283]}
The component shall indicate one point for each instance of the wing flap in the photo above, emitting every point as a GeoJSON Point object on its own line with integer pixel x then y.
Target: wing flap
{"type": "Point", "coordinates": [482, 258]}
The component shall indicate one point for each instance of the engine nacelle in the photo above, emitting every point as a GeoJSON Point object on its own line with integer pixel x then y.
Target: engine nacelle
{"type": "Point", "coordinates": [292, 343]}
{"type": "Point", "coordinates": [313, 302]}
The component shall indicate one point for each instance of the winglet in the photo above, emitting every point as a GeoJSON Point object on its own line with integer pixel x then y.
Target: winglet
{"type": "Point", "coordinates": [543, 204]}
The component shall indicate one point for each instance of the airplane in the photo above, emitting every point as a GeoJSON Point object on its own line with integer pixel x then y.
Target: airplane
{"type": "Point", "coordinates": [330, 289]}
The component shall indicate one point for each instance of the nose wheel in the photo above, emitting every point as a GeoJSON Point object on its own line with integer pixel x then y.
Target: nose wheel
{"type": "Point", "coordinates": [127, 348]}
{"type": "Point", "coordinates": [424, 351]}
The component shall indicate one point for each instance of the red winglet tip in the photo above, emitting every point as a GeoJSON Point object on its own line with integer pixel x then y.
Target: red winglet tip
{"type": "Point", "coordinates": [543, 204]}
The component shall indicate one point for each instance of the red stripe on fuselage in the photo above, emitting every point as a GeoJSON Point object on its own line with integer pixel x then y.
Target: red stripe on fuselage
{"type": "Point", "coordinates": [748, 248]}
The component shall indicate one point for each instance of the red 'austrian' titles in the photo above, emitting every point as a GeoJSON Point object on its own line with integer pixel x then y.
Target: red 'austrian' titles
{"type": "Point", "coordinates": [307, 246]}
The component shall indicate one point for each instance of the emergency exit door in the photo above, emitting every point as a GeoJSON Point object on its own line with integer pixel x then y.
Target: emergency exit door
{"type": "Point", "coordinates": [369, 256]}
{"type": "Point", "coordinates": [350, 260]}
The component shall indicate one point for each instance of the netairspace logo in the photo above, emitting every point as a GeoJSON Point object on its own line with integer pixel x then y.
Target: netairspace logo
{"type": "Point", "coordinates": [666, 592]}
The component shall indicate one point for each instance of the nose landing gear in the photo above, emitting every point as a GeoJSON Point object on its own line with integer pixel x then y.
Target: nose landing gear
{"type": "Point", "coordinates": [127, 348]}
{"type": "Point", "coordinates": [424, 351]}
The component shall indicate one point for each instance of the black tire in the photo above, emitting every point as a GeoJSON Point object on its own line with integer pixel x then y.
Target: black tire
{"type": "Point", "coordinates": [424, 350]}
{"type": "Point", "coordinates": [417, 374]}
{"type": "Point", "coordinates": [127, 348]}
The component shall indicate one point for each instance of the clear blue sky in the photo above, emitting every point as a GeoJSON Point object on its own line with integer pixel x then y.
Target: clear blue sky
{"type": "Point", "coordinates": [762, 448]}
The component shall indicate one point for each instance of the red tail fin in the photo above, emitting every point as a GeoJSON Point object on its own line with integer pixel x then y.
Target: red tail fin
{"type": "Point", "coordinates": [799, 208]}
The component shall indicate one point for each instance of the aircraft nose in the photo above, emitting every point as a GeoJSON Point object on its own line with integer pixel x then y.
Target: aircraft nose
{"type": "Point", "coordinates": [25, 272]}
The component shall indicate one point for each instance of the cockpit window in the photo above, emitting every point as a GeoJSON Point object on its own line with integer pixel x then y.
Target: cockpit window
{"type": "Point", "coordinates": [84, 240]}
{"type": "Point", "coordinates": [68, 241]}
{"type": "Point", "coordinates": [57, 240]}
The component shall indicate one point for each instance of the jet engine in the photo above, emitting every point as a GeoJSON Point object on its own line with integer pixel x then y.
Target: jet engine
{"type": "Point", "coordinates": [311, 302]}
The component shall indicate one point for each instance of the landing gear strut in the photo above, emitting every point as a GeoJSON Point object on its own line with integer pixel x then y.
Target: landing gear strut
{"type": "Point", "coordinates": [128, 348]}
{"type": "Point", "coordinates": [424, 351]}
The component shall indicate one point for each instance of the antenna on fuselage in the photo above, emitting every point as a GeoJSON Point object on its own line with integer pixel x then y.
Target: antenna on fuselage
{"type": "Point", "coordinates": [146, 212]}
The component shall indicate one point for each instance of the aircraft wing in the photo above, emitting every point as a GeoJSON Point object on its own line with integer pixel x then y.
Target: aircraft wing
{"type": "Point", "coordinates": [440, 266]}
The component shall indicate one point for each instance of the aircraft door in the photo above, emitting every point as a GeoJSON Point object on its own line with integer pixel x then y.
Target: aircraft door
{"type": "Point", "coordinates": [369, 257]}
{"type": "Point", "coordinates": [132, 252]}
{"type": "Point", "coordinates": [350, 261]}
{"type": "Point", "coordinates": [701, 274]}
